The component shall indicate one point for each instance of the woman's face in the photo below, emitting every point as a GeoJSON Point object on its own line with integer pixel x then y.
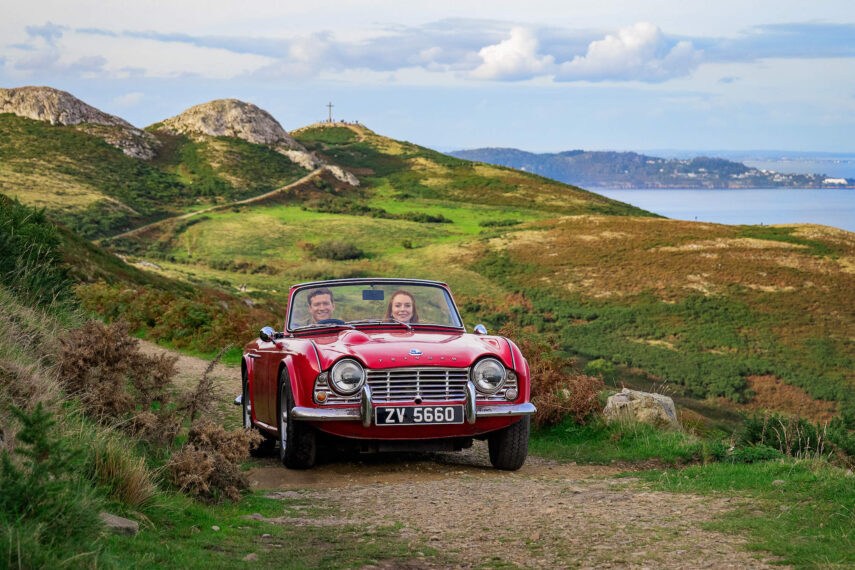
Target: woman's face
{"type": "Point", "coordinates": [402, 308]}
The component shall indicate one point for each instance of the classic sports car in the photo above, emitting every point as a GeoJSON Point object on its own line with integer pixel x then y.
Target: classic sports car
{"type": "Point", "coordinates": [388, 364]}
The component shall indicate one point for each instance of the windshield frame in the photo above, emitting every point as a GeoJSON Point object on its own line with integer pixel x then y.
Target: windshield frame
{"type": "Point", "coordinates": [367, 281]}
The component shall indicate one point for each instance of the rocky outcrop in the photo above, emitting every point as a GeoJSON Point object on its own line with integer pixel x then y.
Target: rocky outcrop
{"type": "Point", "coordinates": [342, 174]}
{"type": "Point", "coordinates": [61, 108]}
{"type": "Point", "coordinates": [230, 118]}
{"type": "Point", "coordinates": [645, 407]}
{"type": "Point", "coordinates": [302, 158]}
{"type": "Point", "coordinates": [234, 118]}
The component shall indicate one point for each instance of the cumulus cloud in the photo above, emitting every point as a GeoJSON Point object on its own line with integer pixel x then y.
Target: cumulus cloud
{"type": "Point", "coordinates": [513, 59]}
{"type": "Point", "coordinates": [462, 49]}
{"type": "Point", "coordinates": [640, 52]}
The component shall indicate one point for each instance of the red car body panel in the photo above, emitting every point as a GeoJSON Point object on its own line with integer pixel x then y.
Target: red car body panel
{"type": "Point", "coordinates": [305, 354]}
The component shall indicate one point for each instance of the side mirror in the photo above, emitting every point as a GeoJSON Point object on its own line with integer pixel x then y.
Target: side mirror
{"type": "Point", "coordinates": [480, 329]}
{"type": "Point", "coordinates": [266, 334]}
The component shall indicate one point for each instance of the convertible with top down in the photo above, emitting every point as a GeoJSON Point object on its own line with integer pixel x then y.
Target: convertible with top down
{"type": "Point", "coordinates": [387, 364]}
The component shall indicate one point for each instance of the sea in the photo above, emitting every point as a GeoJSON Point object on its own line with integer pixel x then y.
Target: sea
{"type": "Point", "coordinates": [765, 206]}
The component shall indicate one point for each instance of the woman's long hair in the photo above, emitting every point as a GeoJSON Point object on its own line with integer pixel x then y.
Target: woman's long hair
{"type": "Point", "coordinates": [415, 317]}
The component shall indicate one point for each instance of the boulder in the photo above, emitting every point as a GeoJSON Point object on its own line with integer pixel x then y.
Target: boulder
{"type": "Point", "coordinates": [119, 525]}
{"type": "Point", "coordinates": [644, 407]}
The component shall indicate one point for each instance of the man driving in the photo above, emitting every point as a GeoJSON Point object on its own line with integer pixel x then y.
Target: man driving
{"type": "Point", "coordinates": [321, 305]}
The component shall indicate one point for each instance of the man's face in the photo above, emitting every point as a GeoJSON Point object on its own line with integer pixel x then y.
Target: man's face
{"type": "Point", "coordinates": [321, 307]}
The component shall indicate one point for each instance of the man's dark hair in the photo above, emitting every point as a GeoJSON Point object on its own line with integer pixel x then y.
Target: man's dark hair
{"type": "Point", "coordinates": [321, 291]}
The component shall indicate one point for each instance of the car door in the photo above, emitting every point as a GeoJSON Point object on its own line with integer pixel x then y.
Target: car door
{"type": "Point", "coordinates": [264, 386]}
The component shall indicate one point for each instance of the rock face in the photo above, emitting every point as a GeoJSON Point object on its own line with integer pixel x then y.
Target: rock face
{"type": "Point", "coordinates": [62, 108]}
{"type": "Point", "coordinates": [231, 118]}
{"type": "Point", "coordinates": [645, 407]}
{"type": "Point", "coordinates": [234, 118]}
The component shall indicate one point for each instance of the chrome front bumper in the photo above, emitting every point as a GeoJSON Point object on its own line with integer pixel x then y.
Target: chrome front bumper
{"type": "Point", "coordinates": [471, 411]}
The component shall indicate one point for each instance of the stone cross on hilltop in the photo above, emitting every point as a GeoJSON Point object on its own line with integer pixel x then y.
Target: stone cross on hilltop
{"type": "Point", "coordinates": [330, 106]}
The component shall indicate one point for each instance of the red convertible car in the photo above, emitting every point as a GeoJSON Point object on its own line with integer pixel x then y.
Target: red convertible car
{"type": "Point", "coordinates": [388, 364]}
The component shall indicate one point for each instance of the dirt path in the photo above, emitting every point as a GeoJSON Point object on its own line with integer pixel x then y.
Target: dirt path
{"type": "Point", "coordinates": [547, 514]}
{"type": "Point", "coordinates": [220, 206]}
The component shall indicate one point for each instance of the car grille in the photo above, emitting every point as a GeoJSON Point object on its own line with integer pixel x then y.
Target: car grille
{"type": "Point", "coordinates": [407, 384]}
{"type": "Point", "coordinates": [429, 384]}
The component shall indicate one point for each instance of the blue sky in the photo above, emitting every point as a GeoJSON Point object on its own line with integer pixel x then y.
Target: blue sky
{"type": "Point", "coordinates": [544, 76]}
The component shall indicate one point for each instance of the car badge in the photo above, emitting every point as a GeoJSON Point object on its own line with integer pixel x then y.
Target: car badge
{"type": "Point", "coordinates": [415, 352]}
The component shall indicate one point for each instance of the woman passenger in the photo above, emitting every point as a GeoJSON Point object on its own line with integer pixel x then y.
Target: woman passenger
{"type": "Point", "coordinates": [402, 307]}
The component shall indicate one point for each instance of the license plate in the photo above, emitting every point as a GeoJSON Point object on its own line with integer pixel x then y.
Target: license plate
{"type": "Point", "coordinates": [417, 415]}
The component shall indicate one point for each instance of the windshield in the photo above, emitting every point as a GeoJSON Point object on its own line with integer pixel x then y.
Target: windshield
{"type": "Point", "coordinates": [406, 304]}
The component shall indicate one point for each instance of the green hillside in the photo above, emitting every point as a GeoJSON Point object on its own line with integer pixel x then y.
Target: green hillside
{"type": "Point", "coordinates": [95, 189]}
{"type": "Point", "coordinates": [404, 171]}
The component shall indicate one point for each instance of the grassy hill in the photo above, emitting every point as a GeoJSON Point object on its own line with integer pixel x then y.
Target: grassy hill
{"type": "Point", "coordinates": [95, 189]}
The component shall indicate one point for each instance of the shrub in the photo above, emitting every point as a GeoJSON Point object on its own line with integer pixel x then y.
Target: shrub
{"type": "Point", "coordinates": [600, 367]}
{"type": "Point", "coordinates": [557, 390]}
{"type": "Point", "coordinates": [498, 223]}
{"type": "Point", "coordinates": [48, 511]}
{"type": "Point", "coordinates": [425, 218]}
{"type": "Point", "coordinates": [103, 366]}
{"type": "Point", "coordinates": [337, 250]}
{"type": "Point", "coordinates": [208, 466]}
{"type": "Point", "coordinates": [754, 453]}
{"type": "Point", "coordinates": [798, 437]}
{"type": "Point", "coordinates": [31, 261]}
{"type": "Point", "coordinates": [197, 321]}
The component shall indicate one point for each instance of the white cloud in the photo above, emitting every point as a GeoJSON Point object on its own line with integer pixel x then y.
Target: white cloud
{"type": "Point", "coordinates": [128, 99]}
{"type": "Point", "coordinates": [514, 58]}
{"type": "Point", "coordinates": [638, 52]}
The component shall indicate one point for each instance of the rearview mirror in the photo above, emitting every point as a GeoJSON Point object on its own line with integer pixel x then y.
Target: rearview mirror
{"type": "Point", "coordinates": [480, 329]}
{"type": "Point", "coordinates": [266, 334]}
{"type": "Point", "coordinates": [372, 294]}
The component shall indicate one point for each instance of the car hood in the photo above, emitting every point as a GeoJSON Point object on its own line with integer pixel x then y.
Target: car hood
{"type": "Point", "coordinates": [379, 350]}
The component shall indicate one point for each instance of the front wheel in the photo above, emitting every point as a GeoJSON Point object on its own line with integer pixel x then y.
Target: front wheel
{"type": "Point", "coordinates": [509, 446]}
{"type": "Point", "coordinates": [297, 442]}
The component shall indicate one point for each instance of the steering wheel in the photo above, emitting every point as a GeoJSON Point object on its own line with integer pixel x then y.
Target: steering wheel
{"type": "Point", "coordinates": [330, 322]}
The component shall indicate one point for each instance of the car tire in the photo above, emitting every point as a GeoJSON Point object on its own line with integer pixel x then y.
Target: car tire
{"type": "Point", "coordinates": [509, 446]}
{"type": "Point", "coordinates": [297, 441]}
{"type": "Point", "coordinates": [267, 445]}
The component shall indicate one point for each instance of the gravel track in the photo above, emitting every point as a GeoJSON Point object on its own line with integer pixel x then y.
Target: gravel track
{"type": "Point", "coordinates": [547, 514]}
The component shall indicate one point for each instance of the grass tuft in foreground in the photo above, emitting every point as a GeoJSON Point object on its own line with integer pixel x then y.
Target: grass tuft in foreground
{"type": "Point", "coordinates": [601, 442]}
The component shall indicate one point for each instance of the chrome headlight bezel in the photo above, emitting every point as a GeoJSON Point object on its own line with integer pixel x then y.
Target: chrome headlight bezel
{"type": "Point", "coordinates": [337, 380]}
{"type": "Point", "coordinates": [489, 375]}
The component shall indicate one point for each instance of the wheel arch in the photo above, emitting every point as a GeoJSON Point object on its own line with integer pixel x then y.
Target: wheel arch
{"type": "Point", "coordinates": [287, 364]}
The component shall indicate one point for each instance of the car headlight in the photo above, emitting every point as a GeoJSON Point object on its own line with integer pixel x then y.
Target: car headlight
{"type": "Point", "coordinates": [347, 377]}
{"type": "Point", "coordinates": [489, 375]}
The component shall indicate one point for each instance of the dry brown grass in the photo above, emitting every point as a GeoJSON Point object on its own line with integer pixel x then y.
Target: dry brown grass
{"type": "Point", "coordinates": [26, 380]}
{"type": "Point", "coordinates": [208, 466]}
{"type": "Point", "coordinates": [116, 383]}
{"type": "Point", "coordinates": [622, 256]}
{"type": "Point", "coordinates": [557, 390]}
{"type": "Point", "coordinates": [772, 394]}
